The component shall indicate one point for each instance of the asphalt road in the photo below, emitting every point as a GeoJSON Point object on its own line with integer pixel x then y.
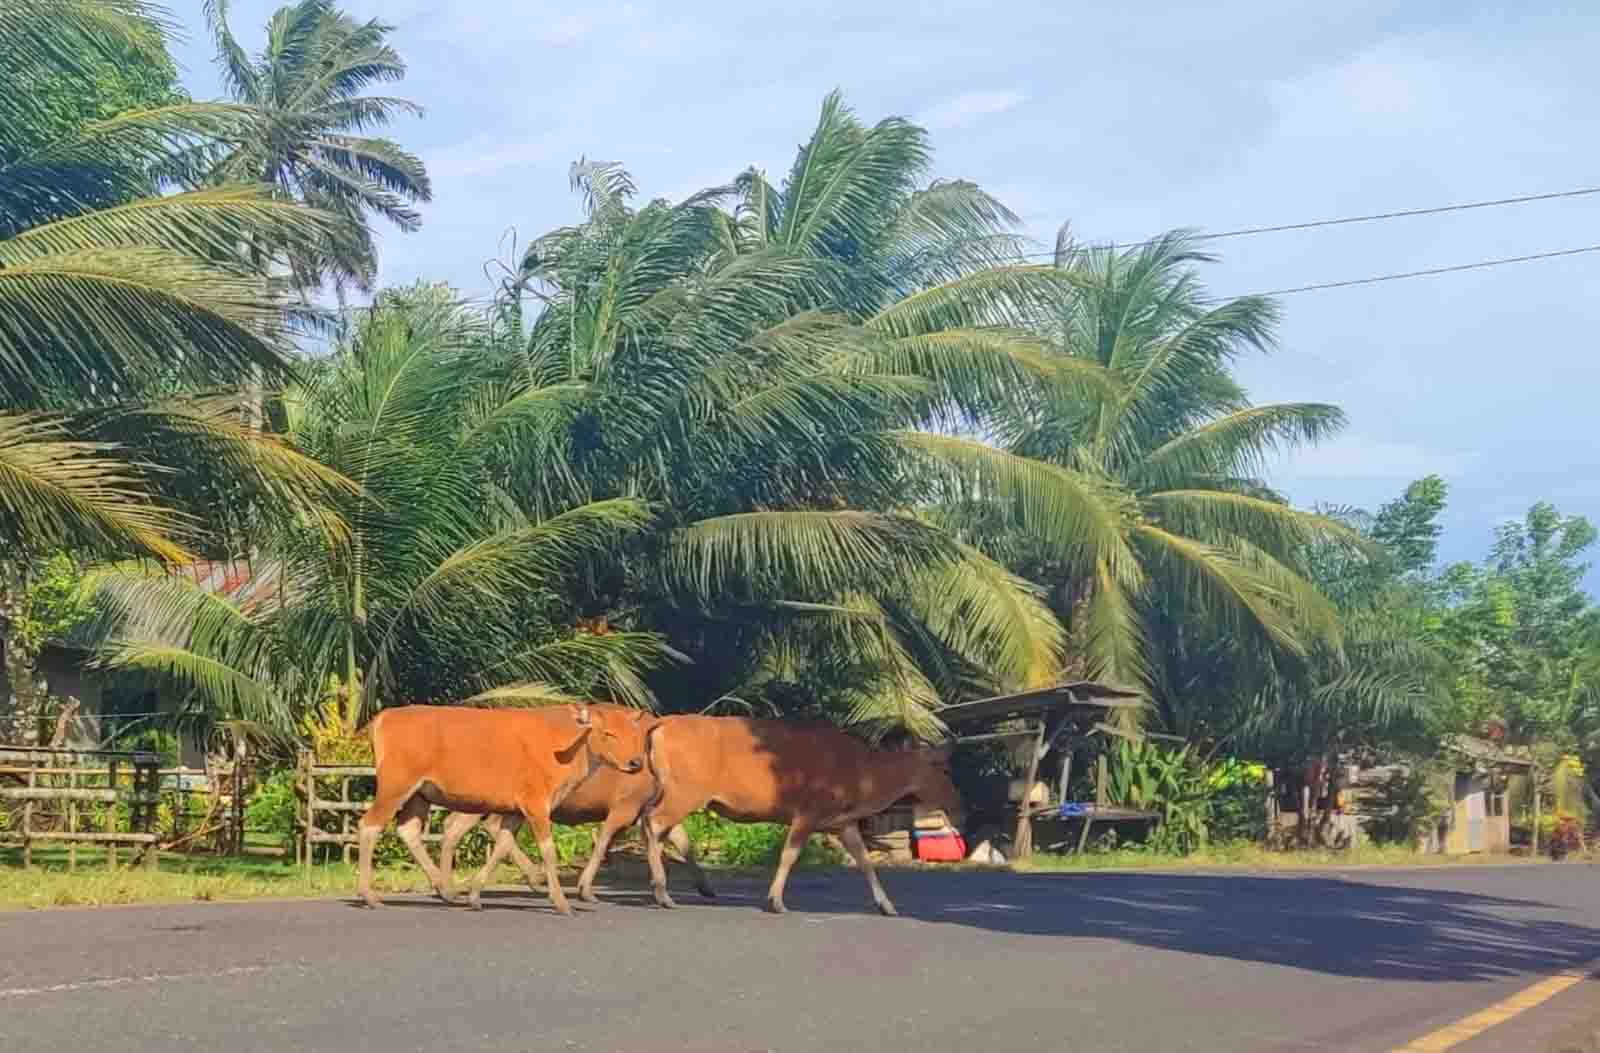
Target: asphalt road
{"type": "Point", "coordinates": [1350, 960]}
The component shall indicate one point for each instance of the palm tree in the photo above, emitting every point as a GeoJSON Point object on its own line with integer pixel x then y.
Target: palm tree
{"type": "Point", "coordinates": [661, 365]}
{"type": "Point", "coordinates": [311, 144]}
{"type": "Point", "coordinates": [1139, 501]}
{"type": "Point", "coordinates": [111, 290]}
{"type": "Point", "coordinates": [422, 583]}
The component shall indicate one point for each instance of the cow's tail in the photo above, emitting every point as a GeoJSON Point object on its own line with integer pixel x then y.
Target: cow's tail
{"type": "Point", "coordinates": [656, 760]}
{"type": "Point", "coordinates": [372, 730]}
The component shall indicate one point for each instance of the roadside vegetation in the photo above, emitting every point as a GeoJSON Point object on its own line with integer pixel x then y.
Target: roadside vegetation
{"type": "Point", "coordinates": [829, 442]}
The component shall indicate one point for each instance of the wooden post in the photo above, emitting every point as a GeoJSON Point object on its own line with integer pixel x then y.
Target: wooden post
{"type": "Point", "coordinates": [72, 823]}
{"type": "Point", "coordinates": [1066, 776]}
{"type": "Point", "coordinates": [1272, 806]}
{"type": "Point", "coordinates": [1533, 782]}
{"type": "Point", "coordinates": [237, 838]}
{"type": "Point", "coordinates": [27, 820]}
{"type": "Point", "coordinates": [1102, 791]}
{"type": "Point", "coordinates": [111, 816]}
{"type": "Point", "coordinates": [311, 815]}
{"type": "Point", "coordinates": [344, 819]}
{"type": "Point", "coordinates": [1022, 843]}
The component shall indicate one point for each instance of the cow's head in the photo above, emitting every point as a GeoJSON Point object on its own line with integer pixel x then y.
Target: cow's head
{"type": "Point", "coordinates": [932, 785]}
{"type": "Point", "coordinates": [616, 737]}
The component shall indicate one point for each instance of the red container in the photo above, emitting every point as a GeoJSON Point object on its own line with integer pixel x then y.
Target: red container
{"type": "Point", "coordinates": [941, 847]}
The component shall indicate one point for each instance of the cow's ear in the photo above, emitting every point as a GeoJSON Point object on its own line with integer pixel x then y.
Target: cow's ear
{"type": "Point", "coordinates": [638, 716]}
{"type": "Point", "coordinates": [581, 714]}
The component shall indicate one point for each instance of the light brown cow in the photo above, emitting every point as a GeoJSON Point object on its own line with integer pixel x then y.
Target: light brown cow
{"type": "Point", "coordinates": [814, 777]}
{"type": "Point", "coordinates": [612, 798]}
{"type": "Point", "coordinates": [488, 760]}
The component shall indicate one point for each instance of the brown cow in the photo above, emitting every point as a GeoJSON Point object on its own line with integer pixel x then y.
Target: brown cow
{"type": "Point", "coordinates": [814, 777]}
{"type": "Point", "coordinates": [488, 760]}
{"type": "Point", "coordinates": [613, 798]}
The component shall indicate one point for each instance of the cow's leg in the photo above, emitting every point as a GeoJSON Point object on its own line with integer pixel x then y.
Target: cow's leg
{"type": "Point", "coordinates": [658, 820]}
{"type": "Point", "coordinates": [455, 828]}
{"type": "Point", "coordinates": [412, 822]}
{"type": "Point", "coordinates": [508, 825]}
{"type": "Point", "coordinates": [504, 843]}
{"type": "Point", "coordinates": [539, 820]}
{"type": "Point", "coordinates": [799, 832]}
{"type": "Point", "coordinates": [614, 821]}
{"type": "Point", "coordinates": [685, 845]}
{"type": "Point", "coordinates": [384, 806]}
{"type": "Point", "coordinates": [851, 836]}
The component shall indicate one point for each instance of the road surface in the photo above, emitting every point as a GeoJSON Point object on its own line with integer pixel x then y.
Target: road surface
{"type": "Point", "coordinates": [1350, 960]}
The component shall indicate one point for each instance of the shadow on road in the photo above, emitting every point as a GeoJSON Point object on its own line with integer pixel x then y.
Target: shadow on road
{"type": "Point", "coordinates": [1347, 928]}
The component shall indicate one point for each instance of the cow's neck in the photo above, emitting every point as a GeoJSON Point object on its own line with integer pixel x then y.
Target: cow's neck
{"type": "Point", "coordinates": [584, 764]}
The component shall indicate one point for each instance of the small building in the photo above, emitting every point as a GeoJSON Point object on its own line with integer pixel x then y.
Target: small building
{"type": "Point", "coordinates": [1481, 780]}
{"type": "Point", "coordinates": [112, 704]}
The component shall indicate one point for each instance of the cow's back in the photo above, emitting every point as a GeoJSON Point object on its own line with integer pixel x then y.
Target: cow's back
{"type": "Point", "coordinates": [766, 770]}
{"type": "Point", "coordinates": [461, 755]}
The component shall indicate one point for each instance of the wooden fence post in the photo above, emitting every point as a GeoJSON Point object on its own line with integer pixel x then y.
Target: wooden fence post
{"type": "Point", "coordinates": [311, 798]}
{"type": "Point", "coordinates": [1533, 782]}
{"type": "Point", "coordinates": [27, 820]}
{"type": "Point", "coordinates": [72, 823]}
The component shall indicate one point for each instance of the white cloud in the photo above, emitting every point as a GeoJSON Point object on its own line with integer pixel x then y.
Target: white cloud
{"type": "Point", "coordinates": [968, 107]}
{"type": "Point", "coordinates": [1362, 457]}
{"type": "Point", "coordinates": [478, 157]}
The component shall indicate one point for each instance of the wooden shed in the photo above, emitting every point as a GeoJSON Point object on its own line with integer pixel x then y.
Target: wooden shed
{"type": "Point", "coordinates": [1037, 721]}
{"type": "Point", "coordinates": [1479, 819]}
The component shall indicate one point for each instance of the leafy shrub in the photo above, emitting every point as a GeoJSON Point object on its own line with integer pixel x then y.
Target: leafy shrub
{"type": "Point", "coordinates": [726, 843]}
{"type": "Point", "coordinates": [1173, 782]}
{"type": "Point", "coordinates": [1561, 834]}
{"type": "Point", "coordinates": [275, 809]}
{"type": "Point", "coordinates": [1238, 812]}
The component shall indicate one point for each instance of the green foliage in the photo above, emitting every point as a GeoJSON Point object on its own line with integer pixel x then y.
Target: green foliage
{"type": "Point", "coordinates": [724, 842]}
{"type": "Point", "coordinates": [112, 287]}
{"type": "Point", "coordinates": [52, 604]}
{"type": "Point", "coordinates": [1175, 783]}
{"type": "Point", "coordinates": [274, 808]}
{"type": "Point", "coordinates": [1523, 635]}
{"type": "Point", "coordinates": [310, 143]}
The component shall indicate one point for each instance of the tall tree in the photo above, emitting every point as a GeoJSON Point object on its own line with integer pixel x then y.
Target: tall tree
{"type": "Point", "coordinates": [1521, 626]}
{"type": "Point", "coordinates": [1138, 499]}
{"type": "Point", "coordinates": [312, 145]}
{"type": "Point", "coordinates": [423, 582]}
{"type": "Point", "coordinates": [768, 432]}
{"type": "Point", "coordinates": [108, 287]}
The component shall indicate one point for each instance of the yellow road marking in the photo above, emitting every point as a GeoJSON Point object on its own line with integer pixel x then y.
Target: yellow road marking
{"type": "Point", "coordinates": [1499, 1013]}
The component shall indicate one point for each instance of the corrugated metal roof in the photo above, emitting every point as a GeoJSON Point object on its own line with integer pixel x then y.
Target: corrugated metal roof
{"type": "Point", "coordinates": [1042, 700]}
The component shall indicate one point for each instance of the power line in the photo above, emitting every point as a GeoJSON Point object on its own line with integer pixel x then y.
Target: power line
{"type": "Point", "coordinates": [1372, 217]}
{"type": "Point", "coordinates": [1375, 279]}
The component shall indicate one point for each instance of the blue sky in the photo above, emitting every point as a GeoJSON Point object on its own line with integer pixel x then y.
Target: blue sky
{"type": "Point", "coordinates": [1215, 116]}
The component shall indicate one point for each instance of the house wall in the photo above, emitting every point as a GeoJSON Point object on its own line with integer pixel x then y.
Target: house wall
{"type": "Point", "coordinates": [64, 676]}
{"type": "Point", "coordinates": [1475, 792]}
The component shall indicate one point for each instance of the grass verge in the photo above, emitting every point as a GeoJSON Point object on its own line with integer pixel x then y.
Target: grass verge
{"type": "Point", "coordinates": [183, 879]}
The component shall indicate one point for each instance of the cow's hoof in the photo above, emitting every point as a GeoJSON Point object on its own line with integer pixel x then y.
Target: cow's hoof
{"type": "Point", "coordinates": [775, 906]}
{"type": "Point", "coordinates": [449, 897]}
{"type": "Point", "coordinates": [887, 909]}
{"type": "Point", "coordinates": [370, 903]}
{"type": "Point", "coordinates": [565, 910]}
{"type": "Point", "coordinates": [664, 901]}
{"type": "Point", "coordinates": [708, 892]}
{"type": "Point", "coordinates": [588, 896]}
{"type": "Point", "coordinates": [474, 903]}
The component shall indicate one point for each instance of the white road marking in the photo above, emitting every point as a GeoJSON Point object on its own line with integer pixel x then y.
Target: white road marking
{"type": "Point", "coordinates": [124, 981]}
